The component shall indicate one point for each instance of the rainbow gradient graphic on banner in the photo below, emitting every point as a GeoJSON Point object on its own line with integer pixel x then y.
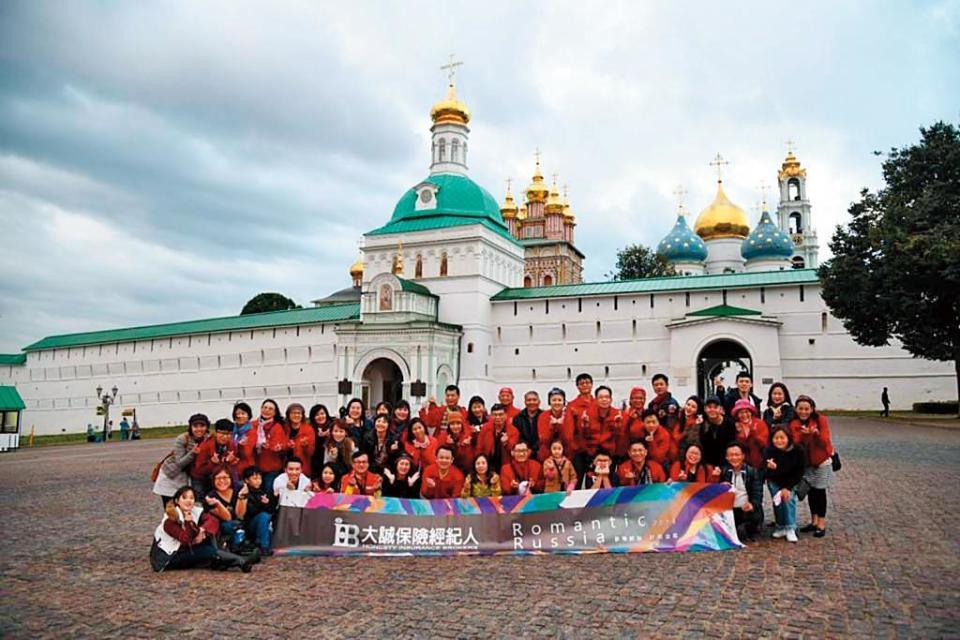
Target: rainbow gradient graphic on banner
{"type": "Point", "coordinates": [657, 517]}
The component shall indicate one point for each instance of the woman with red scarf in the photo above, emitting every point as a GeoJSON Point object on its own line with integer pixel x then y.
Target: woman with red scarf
{"type": "Point", "coordinates": [302, 439]}
{"type": "Point", "coordinates": [271, 440]}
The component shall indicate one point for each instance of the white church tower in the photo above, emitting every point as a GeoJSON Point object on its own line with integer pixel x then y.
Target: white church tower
{"type": "Point", "coordinates": [793, 213]}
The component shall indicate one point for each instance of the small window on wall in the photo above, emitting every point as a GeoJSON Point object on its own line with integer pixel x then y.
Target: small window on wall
{"type": "Point", "coordinates": [548, 281]}
{"type": "Point", "coordinates": [418, 270]}
{"type": "Point", "coordinates": [443, 265]}
{"type": "Point", "coordinates": [823, 322]}
{"type": "Point", "coordinates": [527, 282]}
{"type": "Point", "coordinates": [469, 347]}
{"type": "Point", "coordinates": [9, 421]}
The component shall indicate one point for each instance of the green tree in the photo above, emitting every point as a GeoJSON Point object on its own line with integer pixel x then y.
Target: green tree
{"type": "Point", "coordinates": [268, 302]}
{"type": "Point", "coordinates": [636, 261]}
{"type": "Point", "coordinates": [896, 266]}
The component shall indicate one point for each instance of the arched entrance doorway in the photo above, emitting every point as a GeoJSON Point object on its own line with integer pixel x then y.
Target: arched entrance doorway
{"type": "Point", "coordinates": [721, 359]}
{"type": "Point", "coordinates": [382, 382]}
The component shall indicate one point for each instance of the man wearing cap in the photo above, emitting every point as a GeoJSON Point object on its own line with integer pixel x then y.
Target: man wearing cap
{"type": "Point", "coordinates": [526, 420]}
{"type": "Point", "coordinates": [716, 432]}
{"type": "Point", "coordinates": [218, 451]}
{"type": "Point", "coordinates": [198, 428]}
{"type": "Point", "coordinates": [505, 396]}
{"type": "Point", "coordinates": [497, 437]}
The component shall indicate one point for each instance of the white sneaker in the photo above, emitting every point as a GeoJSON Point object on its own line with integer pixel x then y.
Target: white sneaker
{"type": "Point", "coordinates": [779, 532]}
{"type": "Point", "coordinates": [791, 536]}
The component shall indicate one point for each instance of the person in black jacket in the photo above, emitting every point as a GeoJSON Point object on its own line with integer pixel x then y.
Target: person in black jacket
{"type": "Point", "coordinates": [526, 420]}
{"type": "Point", "coordinates": [716, 432]}
{"type": "Point", "coordinates": [747, 485]}
{"type": "Point", "coordinates": [260, 507]}
{"type": "Point", "coordinates": [785, 466]}
{"type": "Point", "coordinates": [743, 391]}
{"type": "Point", "coordinates": [403, 481]}
{"type": "Point", "coordinates": [380, 444]}
{"type": "Point", "coordinates": [779, 409]}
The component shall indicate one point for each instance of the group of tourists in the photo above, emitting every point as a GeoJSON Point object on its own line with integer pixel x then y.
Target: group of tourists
{"type": "Point", "coordinates": [220, 491]}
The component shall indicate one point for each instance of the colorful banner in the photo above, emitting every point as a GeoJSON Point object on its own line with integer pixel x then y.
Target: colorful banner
{"type": "Point", "coordinates": [656, 517]}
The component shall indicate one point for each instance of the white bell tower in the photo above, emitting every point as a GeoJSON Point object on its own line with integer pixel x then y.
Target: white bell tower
{"type": "Point", "coordinates": [793, 213]}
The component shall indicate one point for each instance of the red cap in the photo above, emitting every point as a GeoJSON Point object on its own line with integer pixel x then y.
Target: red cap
{"type": "Point", "coordinates": [638, 391]}
{"type": "Point", "coordinates": [507, 390]}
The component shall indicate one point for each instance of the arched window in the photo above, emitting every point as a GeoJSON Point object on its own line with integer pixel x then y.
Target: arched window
{"type": "Point", "coordinates": [796, 222]}
{"type": "Point", "coordinates": [793, 189]}
{"type": "Point", "coordinates": [548, 280]}
{"type": "Point", "coordinates": [527, 281]}
{"type": "Point", "coordinates": [443, 150]}
{"type": "Point", "coordinates": [418, 269]}
{"type": "Point", "coordinates": [455, 150]}
{"type": "Point", "coordinates": [443, 264]}
{"type": "Point", "coordinates": [799, 262]}
{"type": "Point", "coordinates": [464, 153]}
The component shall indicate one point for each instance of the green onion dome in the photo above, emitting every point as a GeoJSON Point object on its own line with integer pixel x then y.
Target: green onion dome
{"type": "Point", "coordinates": [766, 241]}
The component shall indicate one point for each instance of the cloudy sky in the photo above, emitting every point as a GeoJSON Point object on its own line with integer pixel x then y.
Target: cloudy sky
{"type": "Point", "coordinates": [166, 161]}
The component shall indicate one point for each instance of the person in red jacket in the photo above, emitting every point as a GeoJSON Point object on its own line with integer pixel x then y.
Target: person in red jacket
{"type": "Point", "coordinates": [691, 468]}
{"type": "Point", "coordinates": [301, 437]}
{"type": "Point", "coordinates": [578, 408]}
{"type": "Point", "coordinates": [811, 430]}
{"type": "Point", "coordinates": [271, 441]}
{"type": "Point", "coordinates": [603, 422]}
{"type": "Point", "coordinates": [462, 441]}
{"type": "Point", "coordinates": [632, 420]}
{"type": "Point", "coordinates": [243, 437]}
{"type": "Point", "coordinates": [521, 476]}
{"type": "Point", "coordinates": [752, 432]}
{"type": "Point", "coordinates": [658, 440]}
{"type": "Point", "coordinates": [640, 469]}
{"type": "Point", "coordinates": [419, 446]}
{"type": "Point", "coordinates": [505, 396]}
{"type": "Point", "coordinates": [435, 417]}
{"type": "Point", "coordinates": [218, 452]}
{"type": "Point", "coordinates": [497, 437]}
{"type": "Point", "coordinates": [554, 424]}
{"type": "Point", "coordinates": [361, 480]}
{"type": "Point", "coordinates": [442, 480]}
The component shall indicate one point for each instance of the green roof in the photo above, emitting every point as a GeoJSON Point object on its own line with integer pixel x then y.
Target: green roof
{"type": "Point", "coordinates": [415, 287]}
{"type": "Point", "coordinates": [12, 358]}
{"type": "Point", "coordinates": [10, 400]}
{"type": "Point", "coordinates": [460, 201]}
{"type": "Point", "coordinates": [661, 285]}
{"type": "Point", "coordinates": [725, 311]}
{"type": "Point", "coordinates": [312, 315]}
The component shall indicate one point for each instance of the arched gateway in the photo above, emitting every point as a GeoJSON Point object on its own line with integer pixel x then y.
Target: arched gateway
{"type": "Point", "coordinates": [723, 358]}
{"type": "Point", "coordinates": [382, 382]}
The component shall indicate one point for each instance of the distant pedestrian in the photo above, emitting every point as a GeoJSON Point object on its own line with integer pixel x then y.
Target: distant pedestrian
{"type": "Point", "coordinates": [135, 430]}
{"type": "Point", "coordinates": [124, 429]}
{"type": "Point", "coordinates": [885, 399]}
{"type": "Point", "coordinates": [91, 433]}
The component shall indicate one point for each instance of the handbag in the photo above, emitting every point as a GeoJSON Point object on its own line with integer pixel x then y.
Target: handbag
{"type": "Point", "coordinates": [835, 461]}
{"type": "Point", "coordinates": [156, 468]}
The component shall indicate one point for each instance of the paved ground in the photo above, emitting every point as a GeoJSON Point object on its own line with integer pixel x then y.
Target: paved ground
{"type": "Point", "coordinates": [77, 521]}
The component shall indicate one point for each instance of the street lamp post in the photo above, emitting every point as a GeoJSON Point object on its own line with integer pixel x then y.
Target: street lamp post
{"type": "Point", "coordinates": [106, 399]}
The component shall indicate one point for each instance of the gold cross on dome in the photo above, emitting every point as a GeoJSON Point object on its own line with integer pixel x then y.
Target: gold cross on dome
{"type": "Point", "coordinates": [451, 68]}
{"type": "Point", "coordinates": [555, 176]}
{"type": "Point", "coordinates": [719, 163]}
{"type": "Point", "coordinates": [536, 154]}
{"type": "Point", "coordinates": [564, 190]}
{"type": "Point", "coordinates": [791, 145]}
{"type": "Point", "coordinates": [509, 182]}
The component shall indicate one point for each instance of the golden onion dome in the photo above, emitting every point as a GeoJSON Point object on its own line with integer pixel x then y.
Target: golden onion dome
{"type": "Point", "coordinates": [554, 204]}
{"type": "Point", "coordinates": [791, 167]}
{"type": "Point", "coordinates": [450, 110]}
{"type": "Point", "coordinates": [537, 191]}
{"type": "Point", "coordinates": [722, 219]}
{"type": "Point", "coordinates": [356, 269]}
{"type": "Point", "coordinates": [509, 208]}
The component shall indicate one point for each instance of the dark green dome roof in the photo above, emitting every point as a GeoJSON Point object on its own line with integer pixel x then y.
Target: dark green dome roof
{"type": "Point", "coordinates": [456, 195]}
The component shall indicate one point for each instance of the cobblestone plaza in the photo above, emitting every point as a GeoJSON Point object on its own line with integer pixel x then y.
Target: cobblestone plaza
{"type": "Point", "coordinates": [77, 524]}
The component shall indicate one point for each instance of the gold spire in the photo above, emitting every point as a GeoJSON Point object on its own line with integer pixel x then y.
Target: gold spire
{"type": "Point", "coordinates": [398, 260]}
{"type": "Point", "coordinates": [509, 208]}
{"type": "Point", "coordinates": [554, 204]}
{"type": "Point", "coordinates": [451, 109]}
{"type": "Point", "coordinates": [791, 166]}
{"type": "Point", "coordinates": [356, 270]}
{"type": "Point", "coordinates": [537, 191]}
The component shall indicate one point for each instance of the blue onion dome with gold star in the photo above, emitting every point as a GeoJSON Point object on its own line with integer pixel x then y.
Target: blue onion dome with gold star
{"type": "Point", "coordinates": [766, 241]}
{"type": "Point", "coordinates": [682, 244]}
